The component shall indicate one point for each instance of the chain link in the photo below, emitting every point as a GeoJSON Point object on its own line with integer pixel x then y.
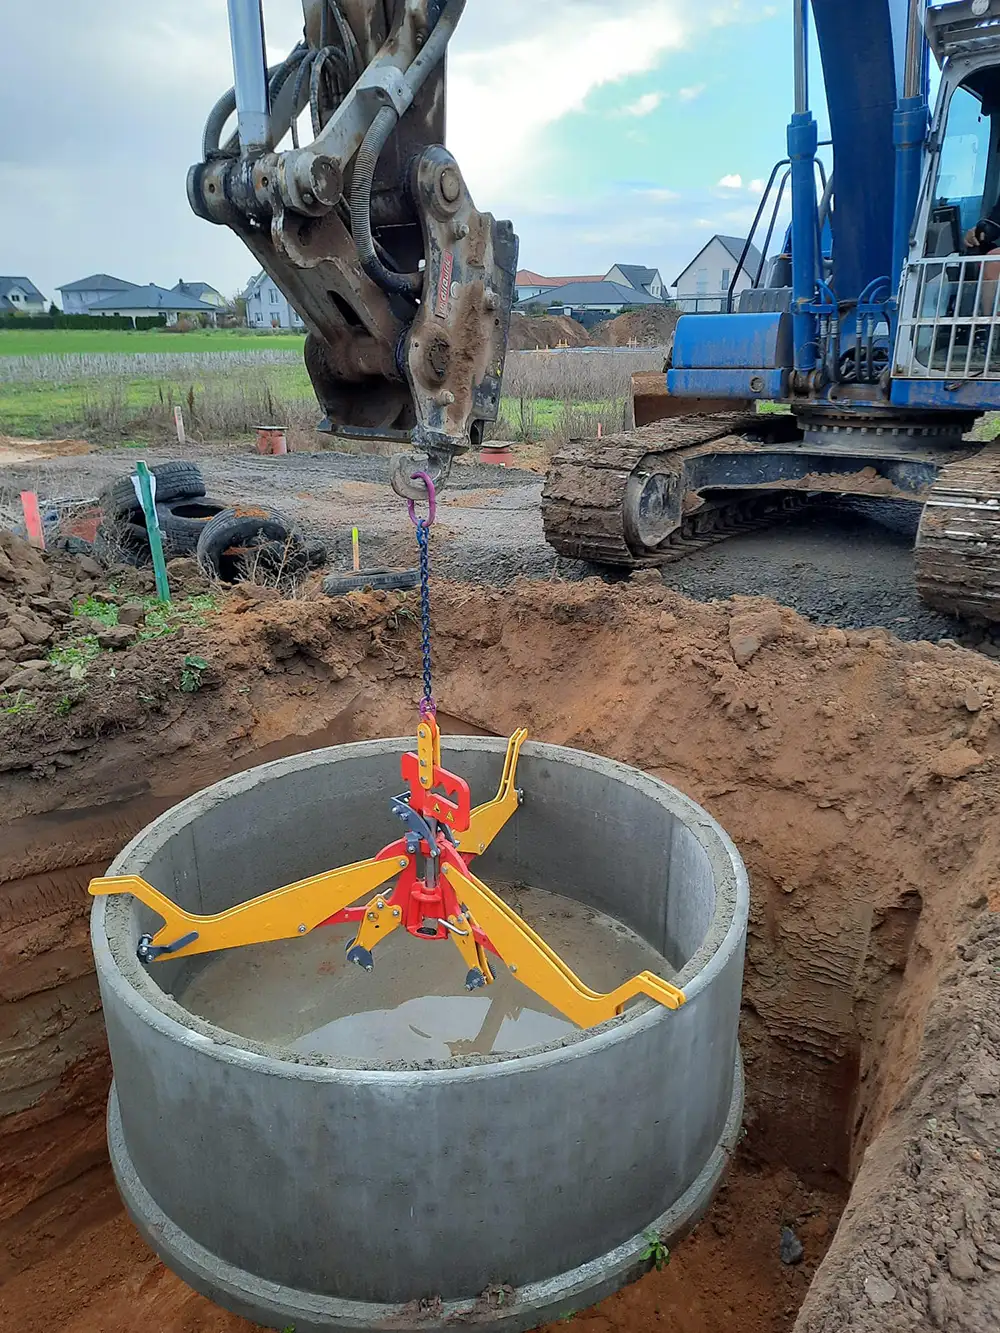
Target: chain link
{"type": "Point", "coordinates": [428, 708]}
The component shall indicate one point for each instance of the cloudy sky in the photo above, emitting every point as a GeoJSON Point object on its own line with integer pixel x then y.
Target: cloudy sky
{"type": "Point", "coordinates": [611, 131]}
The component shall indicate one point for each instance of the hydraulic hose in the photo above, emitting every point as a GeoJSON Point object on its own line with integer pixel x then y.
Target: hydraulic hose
{"type": "Point", "coordinates": [225, 107]}
{"type": "Point", "coordinates": [366, 163]}
{"type": "Point", "coordinates": [404, 284]}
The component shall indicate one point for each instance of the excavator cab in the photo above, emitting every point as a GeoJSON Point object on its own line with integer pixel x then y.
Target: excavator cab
{"type": "Point", "coordinates": [950, 294]}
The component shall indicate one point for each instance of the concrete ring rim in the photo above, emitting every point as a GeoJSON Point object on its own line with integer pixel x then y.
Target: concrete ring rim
{"type": "Point", "coordinates": [537, 1303]}
{"type": "Point", "coordinates": [154, 1007]}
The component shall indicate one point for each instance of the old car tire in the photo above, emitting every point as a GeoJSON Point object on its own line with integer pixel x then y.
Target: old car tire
{"type": "Point", "coordinates": [374, 580]}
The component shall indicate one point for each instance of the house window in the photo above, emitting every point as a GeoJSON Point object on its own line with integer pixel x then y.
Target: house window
{"type": "Point", "coordinates": [727, 277]}
{"type": "Point", "coordinates": [15, 296]}
{"type": "Point", "coordinates": [274, 296]}
{"type": "Point", "coordinates": [701, 285]}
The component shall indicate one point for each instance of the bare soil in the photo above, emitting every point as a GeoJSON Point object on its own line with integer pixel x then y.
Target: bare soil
{"type": "Point", "coordinates": [532, 333]}
{"type": "Point", "coordinates": [651, 326]}
{"type": "Point", "coordinates": [860, 777]}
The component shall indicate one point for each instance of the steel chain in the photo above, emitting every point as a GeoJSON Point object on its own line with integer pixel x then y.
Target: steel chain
{"type": "Point", "coordinates": [427, 705]}
{"type": "Point", "coordinates": [428, 708]}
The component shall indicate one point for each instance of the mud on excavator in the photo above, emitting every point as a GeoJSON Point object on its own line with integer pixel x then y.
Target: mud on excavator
{"type": "Point", "coordinates": [874, 327]}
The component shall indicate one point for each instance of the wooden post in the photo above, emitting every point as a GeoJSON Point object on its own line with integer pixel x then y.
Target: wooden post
{"type": "Point", "coordinates": [144, 484]}
{"type": "Point", "coordinates": [179, 423]}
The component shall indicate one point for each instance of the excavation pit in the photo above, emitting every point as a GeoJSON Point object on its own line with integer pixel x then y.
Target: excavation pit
{"type": "Point", "coordinates": [857, 775]}
{"type": "Point", "coordinates": [327, 1192]}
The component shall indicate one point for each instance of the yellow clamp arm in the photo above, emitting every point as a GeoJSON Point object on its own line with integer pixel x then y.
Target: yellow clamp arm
{"type": "Point", "coordinates": [487, 820]}
{"type": "Point", "coordinates": [282, 914]}
{"type": "Point", "coordinates": [542, 970]}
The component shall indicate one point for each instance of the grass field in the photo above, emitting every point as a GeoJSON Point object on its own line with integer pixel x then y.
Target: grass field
{"type": "Point", "coordinates": [67, 342]}
{"type": "Point", "coordinates": [116, 387]}
{"type": "Point", "coordinates": [214, 404]}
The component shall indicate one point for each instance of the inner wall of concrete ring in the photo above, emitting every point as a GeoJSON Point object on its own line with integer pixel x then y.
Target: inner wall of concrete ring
{"type": "Point", "coordinates": [389, 1184]}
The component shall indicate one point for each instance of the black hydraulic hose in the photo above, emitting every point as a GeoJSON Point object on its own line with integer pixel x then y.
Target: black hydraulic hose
{"type": "Point", "coordinates": [216, 123]}
{"type": "Point", "coordinates": [366, 163]}
{"type": "Point", "coordinates": [226, 105]}
{"type": "Point", "coordinates": [305, 70]}
{"type": "Point", "coordinates": [347, 40]}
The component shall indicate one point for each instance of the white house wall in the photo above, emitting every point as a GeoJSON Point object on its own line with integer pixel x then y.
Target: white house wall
{"type": "Point", "coordinates": [267, 308]}
{"type": "Point", "coordinates": [703, 287]}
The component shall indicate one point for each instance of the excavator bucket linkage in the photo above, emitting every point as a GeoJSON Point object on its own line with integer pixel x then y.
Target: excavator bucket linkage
{"type": "Point", "coordinates": [421, 883]}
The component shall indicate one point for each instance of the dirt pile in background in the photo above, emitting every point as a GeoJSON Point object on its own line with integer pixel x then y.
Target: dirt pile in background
{"type": "Point", "coordinates": [530, 333]}
{"type": "Point", "coordinates": [651, 326]}
{"type": "Point", "coordinates": [860, 778]}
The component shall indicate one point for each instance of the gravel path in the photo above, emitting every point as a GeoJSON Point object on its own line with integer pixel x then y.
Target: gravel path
{"type": "Point", "coordinates": [850, 565]}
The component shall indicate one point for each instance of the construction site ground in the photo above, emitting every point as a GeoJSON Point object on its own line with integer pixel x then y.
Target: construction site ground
{"type": "Point", "coordinates": [849, 564]}
{"type": "Point", "coordinates": [859, 775]}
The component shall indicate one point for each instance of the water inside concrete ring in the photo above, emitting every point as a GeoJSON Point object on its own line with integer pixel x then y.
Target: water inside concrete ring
{"type": "Point", "coordinates": [546, 1153]}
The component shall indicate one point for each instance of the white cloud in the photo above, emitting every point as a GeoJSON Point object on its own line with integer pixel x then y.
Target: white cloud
{"type": "Point", "coordinates": [734, 182]}
{"type": "Point", "coordinates": [691, 94]}
{"type": "Point", "coordinates": [516, 72]}
{"type": "Point", "coordinates": [756, 187]}
{"type": "Point", "coordinates": [645, 106]}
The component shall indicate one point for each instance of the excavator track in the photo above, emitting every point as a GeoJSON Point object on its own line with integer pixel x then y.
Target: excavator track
{"type": "Point", "coordinates": [584, 500]}
{"type": "Point", "coordinates": [958, 544]}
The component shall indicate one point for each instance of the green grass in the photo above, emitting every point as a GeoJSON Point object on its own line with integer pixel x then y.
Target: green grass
{"type": "Point", "coordinates": [21, 704]}
{"type": "Point", "coordinates": [64, 342]}
{"type": "Point", "coordinates": [162, 619]}
{"type": "Point", "coordinates": [40, 408]}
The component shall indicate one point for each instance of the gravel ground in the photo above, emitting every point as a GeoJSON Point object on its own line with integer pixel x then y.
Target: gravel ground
{"type": "Point", "coordinates": [848, 565]}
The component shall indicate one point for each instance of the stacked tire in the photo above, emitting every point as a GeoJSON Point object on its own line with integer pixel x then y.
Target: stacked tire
{"type": "Point", "coordinates": [256, 543]}
{"type": "Point", "coordinates": [182, 508]}
{"type": "Point", "coordinates": [248, 541]}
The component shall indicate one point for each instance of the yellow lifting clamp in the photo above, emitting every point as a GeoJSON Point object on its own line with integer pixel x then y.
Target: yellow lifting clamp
{"type": "Point", "coordinates": [435, 896]}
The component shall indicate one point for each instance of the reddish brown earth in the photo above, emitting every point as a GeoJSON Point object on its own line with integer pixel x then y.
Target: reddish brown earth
{"type": "Point", "coordinates": [530, 333]}
{"type": "Point", "coordinates": [859, 777]}
{"type": "Point", "coordinates": [650, 326]}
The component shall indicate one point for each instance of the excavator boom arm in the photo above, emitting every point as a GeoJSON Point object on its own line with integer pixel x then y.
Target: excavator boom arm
{"type": "Point", "coordinates": [369, 229]}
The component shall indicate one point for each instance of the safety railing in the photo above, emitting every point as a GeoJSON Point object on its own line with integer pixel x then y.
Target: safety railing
{"type": "Point", "coordinates": [700, 304]}
{"type": "Point", "coordinates": [949, 311]}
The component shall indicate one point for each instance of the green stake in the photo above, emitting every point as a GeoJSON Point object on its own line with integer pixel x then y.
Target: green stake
{"type": "Point", "coordinates": [145, 488]}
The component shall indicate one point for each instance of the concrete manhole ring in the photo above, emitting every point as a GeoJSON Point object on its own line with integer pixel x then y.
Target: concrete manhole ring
{"type": "Point", "coordinates": [300, 1192]}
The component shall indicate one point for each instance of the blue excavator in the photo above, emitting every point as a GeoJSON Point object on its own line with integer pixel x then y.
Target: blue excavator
{"type": "Point", "coordinates": [875, 326]}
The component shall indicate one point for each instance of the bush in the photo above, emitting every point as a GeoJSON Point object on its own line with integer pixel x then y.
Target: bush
{"type": "Point", "coordinates": [57, 320]}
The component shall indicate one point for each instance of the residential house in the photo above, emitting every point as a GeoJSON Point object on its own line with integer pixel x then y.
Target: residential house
{"type": "Point", "coordinates": [641, 279]}
{"type": "Point", "coordinates": [268, 307]}
{"type": "Point", "coordinates": [78, 297]}
{"type": "Point", "coordinates": [528, 284]}
{"type": "Point", "coordinates": [19, 296]}
{"type": "Point", "coordinates": [703, 287]}
{"type": "Point", "coordinates": [149, 301]}
{"type": "Point", "coordinates": [201, 291]}
{"type": "Point", "coordinates": [594, 299]}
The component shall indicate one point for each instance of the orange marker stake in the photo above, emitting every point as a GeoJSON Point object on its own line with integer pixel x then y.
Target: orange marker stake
{"type": "Point", "coordinates": [33, 519]}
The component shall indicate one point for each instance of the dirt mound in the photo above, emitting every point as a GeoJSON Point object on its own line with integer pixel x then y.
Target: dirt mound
{"type": "Point", "coordinates": [15, 450]}
{"type": "Point", "coordinates": [652, 326]}
{"type": "Point", "coordinates": [860, 778]}
{"type": "Point", "coordinates": [529, 333]}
